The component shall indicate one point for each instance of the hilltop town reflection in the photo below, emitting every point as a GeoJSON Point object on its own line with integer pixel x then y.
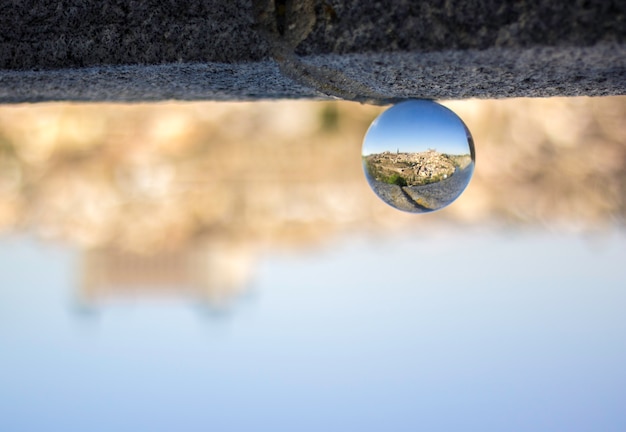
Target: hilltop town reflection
{"type": "Point", "coordinates": [179, 198]}
{"type": "Point", "coordinates": [433, 160]}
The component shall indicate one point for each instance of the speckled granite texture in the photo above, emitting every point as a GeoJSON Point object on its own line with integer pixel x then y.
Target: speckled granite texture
{"type": "Point", "coordinates": [131, 50]}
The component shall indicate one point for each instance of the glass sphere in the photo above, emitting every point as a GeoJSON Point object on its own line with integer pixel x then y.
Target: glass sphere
{"type": "Point", "coordinates": [418, 156]}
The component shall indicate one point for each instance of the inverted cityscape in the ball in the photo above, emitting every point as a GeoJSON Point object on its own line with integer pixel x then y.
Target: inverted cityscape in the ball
{"type": "Point", "coordinates": [418, 156]}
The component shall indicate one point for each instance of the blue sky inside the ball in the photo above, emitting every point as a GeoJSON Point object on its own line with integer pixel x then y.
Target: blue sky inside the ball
{"type": "Point", "coordinates": [417, 126]}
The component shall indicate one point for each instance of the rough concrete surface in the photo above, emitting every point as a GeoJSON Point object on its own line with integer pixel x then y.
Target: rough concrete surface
{"type": "Point", "coordinates": [128, 50]}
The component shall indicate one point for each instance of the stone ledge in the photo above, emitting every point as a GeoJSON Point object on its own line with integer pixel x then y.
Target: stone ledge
{"type": "Point", "coordinates": [122, 50]}
{"type": "Point", "coordinates": [496, 73]}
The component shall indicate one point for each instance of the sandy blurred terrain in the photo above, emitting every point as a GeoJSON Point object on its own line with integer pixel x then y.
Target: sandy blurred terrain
{"type": "Point", "coordinates": [153, 177]}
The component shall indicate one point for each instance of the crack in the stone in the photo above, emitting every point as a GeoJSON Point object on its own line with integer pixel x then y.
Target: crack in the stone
{"type": "Point", "coordinates": [417, 205]}
{"type": "Point", "coordinates": [286, 23]}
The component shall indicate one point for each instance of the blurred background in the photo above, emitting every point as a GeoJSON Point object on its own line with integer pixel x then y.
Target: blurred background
{"type": "Point", "coordinates": [194, 265]}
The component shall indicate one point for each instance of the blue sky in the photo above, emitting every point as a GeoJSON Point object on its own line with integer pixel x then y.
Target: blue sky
{"type": "Point", "coordinates": [439, 331]}
{"type": "Point", "coordinates": [416, 126]}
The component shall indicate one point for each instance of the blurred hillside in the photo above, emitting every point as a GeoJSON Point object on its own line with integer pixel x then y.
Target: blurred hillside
{"type": "Point", "coordinates": [155, 177]}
